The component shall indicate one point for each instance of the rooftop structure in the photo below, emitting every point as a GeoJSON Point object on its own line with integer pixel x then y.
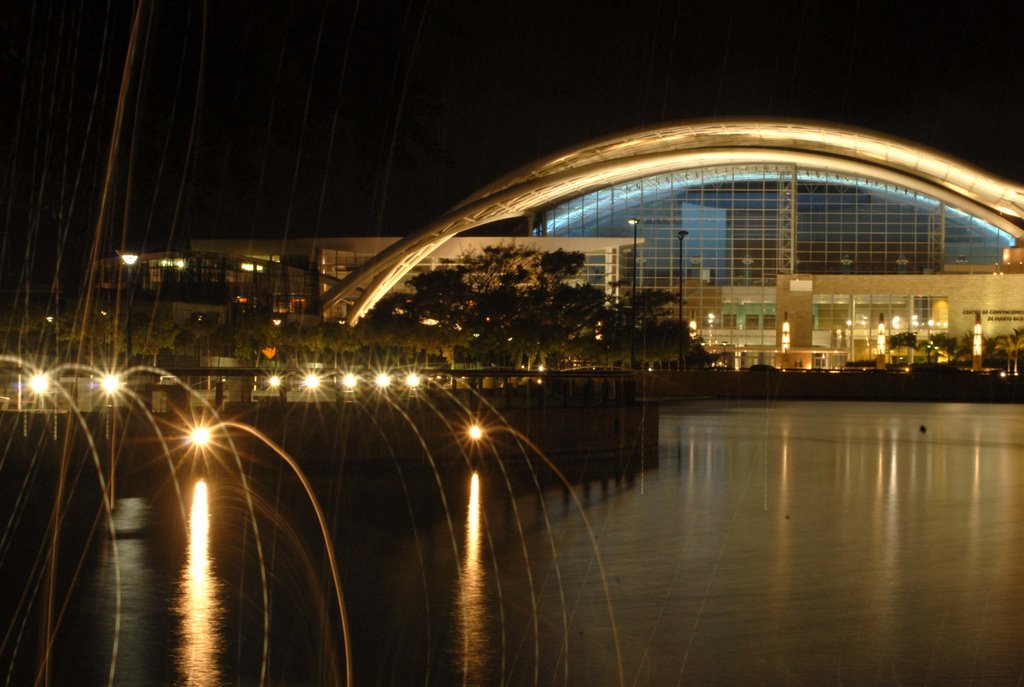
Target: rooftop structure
{"type": "Point", "coordinates": [758, 198]}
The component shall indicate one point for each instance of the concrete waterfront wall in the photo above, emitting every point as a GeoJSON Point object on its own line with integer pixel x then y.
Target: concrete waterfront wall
{"type": "Point", "coordinates": [329, 437]}
{"type": "Point", "coordinates": [847, 385]}
{"type": "Point", "coordinates": [326, 435]}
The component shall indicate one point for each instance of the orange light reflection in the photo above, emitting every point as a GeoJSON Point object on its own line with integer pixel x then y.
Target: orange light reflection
{"type": "Point", "coordinates": [471, 602]}
{"type": "Point", "coordinates": [198, 602]}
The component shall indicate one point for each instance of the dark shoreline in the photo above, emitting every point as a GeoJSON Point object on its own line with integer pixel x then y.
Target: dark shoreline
{"type": "Point", "coordinates": [936, 385]}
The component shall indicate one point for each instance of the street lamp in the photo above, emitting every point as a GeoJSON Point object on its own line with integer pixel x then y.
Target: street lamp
{"type": "Point", "coordinates": [632, 310]}
{"type": "Point", "coordinates": [128, 260]}
{"type": "Point", "coordinates": [681, 234]}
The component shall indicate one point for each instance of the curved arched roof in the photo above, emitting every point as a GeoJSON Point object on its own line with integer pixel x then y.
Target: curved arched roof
{"type": "Point", "coordinates": [690, 145]}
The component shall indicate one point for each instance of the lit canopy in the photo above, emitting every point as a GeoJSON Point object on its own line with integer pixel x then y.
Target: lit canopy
{"type": "Point", "coordinates": [690, 145]}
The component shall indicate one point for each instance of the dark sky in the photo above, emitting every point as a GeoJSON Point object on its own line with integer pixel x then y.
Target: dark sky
{"type": "Point", "coordinates": [304, 118]}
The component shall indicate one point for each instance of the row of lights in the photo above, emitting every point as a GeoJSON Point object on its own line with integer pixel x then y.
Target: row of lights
{"type": "Point", "coordinates": [110, 384]}
{"type": "Point", "coordinates": [200, 435]}
{"type": "Point", "coordinates": [39, 383]}
{"type": "Point", "coordinates": [349, 381]}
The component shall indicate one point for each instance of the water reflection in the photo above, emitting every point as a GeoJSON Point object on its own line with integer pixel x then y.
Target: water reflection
{"type": "Point", "coordinates": [472, 635]}
{"type": "Point", "coordinates": [124, 585]}
{"type": "Point", "coordinates": [199, 606]}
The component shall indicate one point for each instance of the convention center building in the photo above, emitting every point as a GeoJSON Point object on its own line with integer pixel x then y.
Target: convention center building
{"type": "Point", "coordinates": [828, 232]}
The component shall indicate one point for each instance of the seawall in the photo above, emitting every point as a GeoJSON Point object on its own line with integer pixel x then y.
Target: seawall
{"type": "Point", "coordinates": [934, 385]}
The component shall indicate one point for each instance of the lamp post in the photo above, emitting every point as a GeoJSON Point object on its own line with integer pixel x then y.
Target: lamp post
{"type": "Point", "coordinates": [681, 234]}
{"type": "Point", "coordinates": [632, 309]}
{"type": "Point", "coordinates": [128, 260]}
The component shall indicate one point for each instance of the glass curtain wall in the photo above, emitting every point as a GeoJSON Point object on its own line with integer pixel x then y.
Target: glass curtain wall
{"type": "Point", "coordinates": [748, 223]}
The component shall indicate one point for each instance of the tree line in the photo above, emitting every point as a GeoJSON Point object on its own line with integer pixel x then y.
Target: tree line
{"type": "Point", "coordinates": [505, 306]}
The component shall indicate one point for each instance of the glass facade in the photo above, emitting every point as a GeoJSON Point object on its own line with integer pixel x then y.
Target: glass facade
{"type": "Point", "coordinates": [746, 224]}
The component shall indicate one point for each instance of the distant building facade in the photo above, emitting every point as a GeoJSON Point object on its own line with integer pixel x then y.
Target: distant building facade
{"type": "Point", "coordinates": [829, 229]}
{"type": "Point", "coordinates": [763, 222]}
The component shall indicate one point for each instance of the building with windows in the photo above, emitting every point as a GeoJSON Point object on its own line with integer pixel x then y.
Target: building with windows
{"type": "Point", "coordinates": [828, 230]}
{"type": "Point", "coordinates": [221, 285]}
{"type": "Point", "coordinates": [832, 233]}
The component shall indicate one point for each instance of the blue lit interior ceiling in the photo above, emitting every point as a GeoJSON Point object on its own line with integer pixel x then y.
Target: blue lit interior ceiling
{"type": "Point", "coordinates": [745, 228]}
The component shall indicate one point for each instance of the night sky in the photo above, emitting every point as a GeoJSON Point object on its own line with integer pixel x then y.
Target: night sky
{"type": "Point", "coordinates": [312, 118]}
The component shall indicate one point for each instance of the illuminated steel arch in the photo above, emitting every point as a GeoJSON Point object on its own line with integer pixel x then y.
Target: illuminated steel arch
{"type": "Point", "coordinates": [685, 146]}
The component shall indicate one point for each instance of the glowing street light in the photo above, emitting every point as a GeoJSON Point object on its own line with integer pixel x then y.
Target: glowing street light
{"type": "Point", "coordinates": [785, 333]}
{"type": "Point", "coordinates": [311, 381]}
{"type": "Point", "coordinates": [200, 436]}
{"type": "Point", "coordinates": [39, 383]}
{"type": "Point", "coordinates": [476, 432]}
{"type": "Point", "coordinates": [412, 380]}
{"type": "Point", "coordinates": [129, 260]}
{"type": "Point", "coordinates": [274, 382]}
{"type": "Point", "coordinates": [382, 380]}
{"type": "Point", "coordinates": [110, 384]}
{"type": "Point", "coordinates": [349, 381]}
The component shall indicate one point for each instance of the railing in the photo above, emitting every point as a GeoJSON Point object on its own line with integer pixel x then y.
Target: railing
{"type": "Point", "coordinates": [499, 388]}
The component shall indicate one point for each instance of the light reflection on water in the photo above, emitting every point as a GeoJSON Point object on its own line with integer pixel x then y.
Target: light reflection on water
{"type": "Point", "coordinates": [198, 604]}
{"type": "Point", "coordinates": [776, 543]}
{"type": "Point", "coordinates": [471, 608]}
{"type": "Point", "coordinates": [787, 543]}
{"type": "Point", "coordinates": [123, 589]}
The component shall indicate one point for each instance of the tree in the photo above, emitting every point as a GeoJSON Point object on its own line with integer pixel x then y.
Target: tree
{"type": "Point", "coordinates": [251, 334]}
{"type": "Point", "coordinates": [155, 333]}
{"type": "Point", "coordinates": [966, 347]}
{"type": "Point", "coordinates": [946, 345]}
{"type": "Point", "coordinates": [1011, 345]}
{"type": "Point", "coordinates": [202, 329]}
{"type": "Point", "coordinates": [506, 305]}
{"type": "Point", "coordinates": [339, 339]}
{"type": "Point", "coordinates": [905, 340]}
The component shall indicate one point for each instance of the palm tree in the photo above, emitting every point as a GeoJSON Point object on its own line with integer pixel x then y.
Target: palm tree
{"type": "Point", "coordinates": [1011, 344]}
{"type": "Point", "coordinates": [965, 350]}
{"type": "Point", "coordinates": [907, 340]}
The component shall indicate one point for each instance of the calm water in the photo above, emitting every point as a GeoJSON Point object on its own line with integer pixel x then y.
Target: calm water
{"type": "Point", "coordinates": [777, 543]}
